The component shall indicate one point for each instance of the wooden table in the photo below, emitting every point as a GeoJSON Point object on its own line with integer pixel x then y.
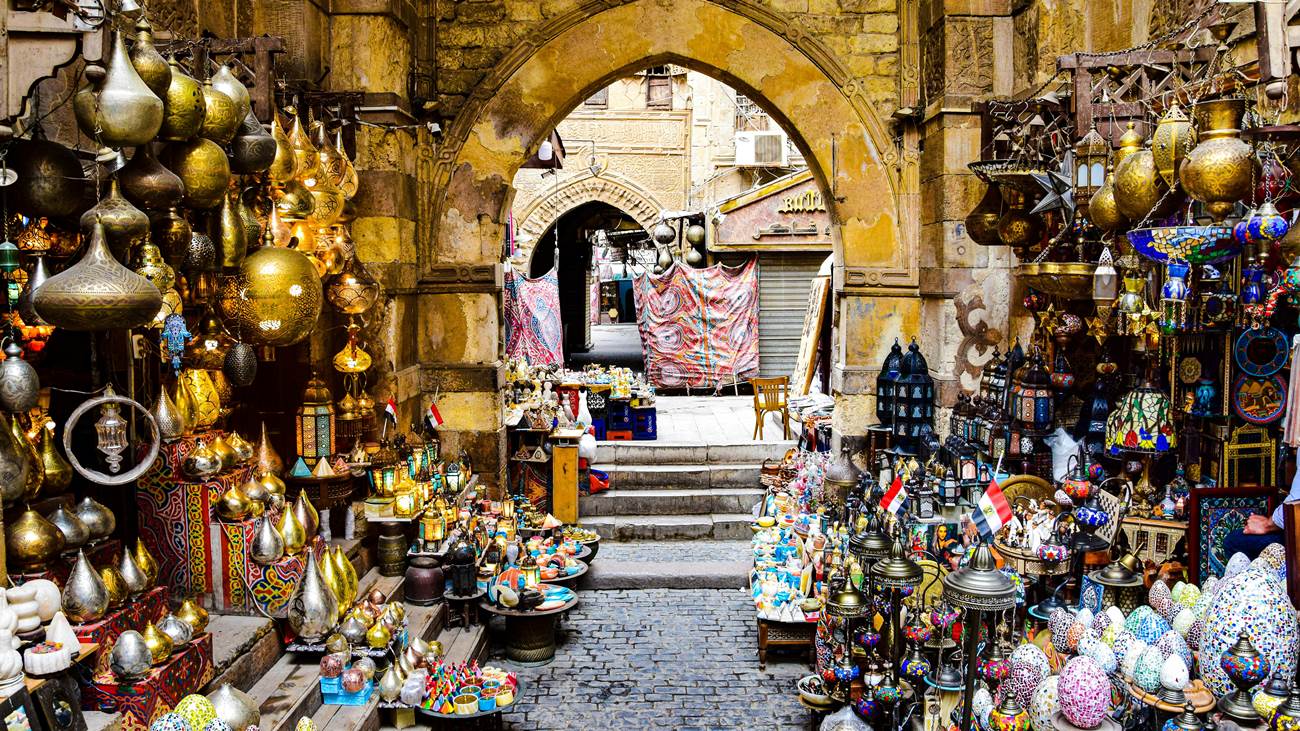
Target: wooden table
{"type": "Point", "coordinates": [784, 634]}
{"type": "Point", "coordinates": [530, 635]}
{"type": "Point", "coordinates": [462, 608]}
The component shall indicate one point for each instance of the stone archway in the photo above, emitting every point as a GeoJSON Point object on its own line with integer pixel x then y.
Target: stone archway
{"type": "Point", "coordinates": [610, 188]}
{"type": "Point", "coordinates": [871, 185]}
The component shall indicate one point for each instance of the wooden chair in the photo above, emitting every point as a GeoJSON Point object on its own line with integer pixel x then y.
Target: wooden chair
{"type": "Point", "coordinates": [771, 394]}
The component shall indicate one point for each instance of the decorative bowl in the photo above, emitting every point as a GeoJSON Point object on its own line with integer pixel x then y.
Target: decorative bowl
{"type": "Point", "coordinates": [1070, 280]}
{"type": "Point", "coordinates": [1191, 244]}
{"type": "Point", "coordinates": [813, 691]}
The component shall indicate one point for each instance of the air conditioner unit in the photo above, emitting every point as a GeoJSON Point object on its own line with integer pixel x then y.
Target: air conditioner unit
{"type": "Point", "coordinates": [761, 149]}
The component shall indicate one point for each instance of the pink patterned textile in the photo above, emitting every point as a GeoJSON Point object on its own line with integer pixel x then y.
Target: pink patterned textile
{"type": "Point", "coordinates": [532, 310]}
{"type": "Point", "coordinates": [699, 327]}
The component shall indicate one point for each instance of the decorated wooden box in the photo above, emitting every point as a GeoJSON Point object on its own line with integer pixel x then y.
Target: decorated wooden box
{"type": "Point", "coordinates": [175, 514]}
{"type": "Point", "coordinates": [135, 614]}
{"type": "Point", "coordinates": [139, 703]}
{"type": "Point", "coordinates": [239, 584]}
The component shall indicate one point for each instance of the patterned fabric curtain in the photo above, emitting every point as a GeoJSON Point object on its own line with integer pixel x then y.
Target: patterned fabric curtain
{"type": "Point", "coordinates": [532, 309]}
{"type": "Point", "coordinates": [699, 327]}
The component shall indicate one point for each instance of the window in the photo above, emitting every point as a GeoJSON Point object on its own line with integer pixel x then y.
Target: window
{"type": "Point", "coordinates": [659, 87]}
{"type": "Point", "coordinates": [599, 100]}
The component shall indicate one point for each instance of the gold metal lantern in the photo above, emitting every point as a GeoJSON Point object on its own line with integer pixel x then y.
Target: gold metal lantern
{"type": "Point", "coordinates": [315, 422]}
{"type": "Point", "coordinates": [274, 299]}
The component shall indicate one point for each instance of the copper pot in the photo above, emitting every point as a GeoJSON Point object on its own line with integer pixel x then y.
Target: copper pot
{"type": "Point", "coordinates": [148, 184]}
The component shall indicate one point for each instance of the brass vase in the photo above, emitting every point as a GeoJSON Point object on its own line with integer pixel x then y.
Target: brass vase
{"type": "Point", "coordinates": [206, 403]}
{"type": "Point", "coordinates": [185, 109]}
{"type": "Point", "coordinates": [305, 154]}
{"type": "Point", "coordinates": [97, 293]}
{"type": "Point", "coordinates": [353, 290]}
{"type": "Point", "coordinates": [131, 656]}
{"type": "Point", "coordinates": [31, 541]}
{"type": "Point", "coordinates": [982, 221]}
{"type": "Point", "coordinates": [124, 224]}
{"type": "Point", "coordinates": [1018, 228]}
{"type": "Point", "coordinates": [225, 82]}
{"type": "Point", "coordinates": [292, 532]}
{"type": "Point", "coordinates": [1138, 186]}
{"type": "Point", "coordinates": [148, 62]}
{"type": "Point", "coordinates": [171, 234]}
{"type": "Point", "coordinates": [333, 580]}
{"type": "Point", "coordinates": [313, 609]}
{"type": "Point", "coordinates": [306, 514]}
{"type": "Point", "coordinates": [201, 463]}
{"type": "Point", "coordinates": [36, 475]}
{"type": "Point", "coordinates": [150, 185]}
{"type": "Point", "coordinates": [50, 174]}
{"type": "Point", "coordinates": [75, 533]}
{"type": "Point", "coordinates": [150, 264]}
{"type": "Point", "coordinates": [171, 424]}
{"type": "Point", "coordinates": [265, 458]}
{"type": "Point", "coordinates": [1220, 170]}
{"type": "Point", "coordinates": [114, 585]}
{"type": "Point", "coordinates": [85, 598]}
{"type": "Point", "coordinates": [253, 149]}
{"type": "Point", "coordinates": [194, 615]}
{"type": "Point", "coordinates": [146, 562]}
{"type": "Point", "coordinates": [19, 384]}
{"type": "Point", "coordinates": [159, 644]}
{"type": "Point", "coordinates": [347, 571]}
{"type": "Point", "coordinates": [184, 405]}
{"type": "Point", "coordinates": [135, 580]}
{"type": "Point", "coordinates": [125, 112]}
{"type": "Point", "coordinates": [232, 247]}
{"type": "Point", "coordinates": [274, 299]}
{"type": "Point", "coordinates": [203, 168]}
{"type": "Point", "coordinates": [1103, 210]}
{"type": "Point", "coordinates": [99, 520]}
{"type": "Point", "coordinates": [234, 504]}
{"type": "Point", "coordinates": [58, 472]}
{"type": "Point", "coordinates": [15, 464]}
{"type": "Point", "coordinates": [221, 117]}
{"type": "Point", "coordinates": [1173, 138]}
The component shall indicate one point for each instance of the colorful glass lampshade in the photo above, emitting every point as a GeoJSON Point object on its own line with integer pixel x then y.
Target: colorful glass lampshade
{"type": "Point", "coordinates": [315, 422]}
{"type": "Point", "coordinates": [1141, 423]}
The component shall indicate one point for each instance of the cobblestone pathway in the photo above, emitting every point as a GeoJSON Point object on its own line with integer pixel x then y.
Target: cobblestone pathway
{"type": "Point", "coordinates": [658, 659]}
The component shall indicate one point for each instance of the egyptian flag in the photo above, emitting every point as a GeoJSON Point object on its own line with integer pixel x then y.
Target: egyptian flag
{"type": "Point", "coordinates": [434, 417]}
{"type": "Point", "coordinates": [390, 410]}
{"type": "Point", "coordinates": [894, 497]}
{"type": "Point", "coordinates": [992, 511]}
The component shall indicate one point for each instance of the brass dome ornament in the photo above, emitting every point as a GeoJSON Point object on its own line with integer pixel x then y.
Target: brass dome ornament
{"type": "Point", "coordinates": [1103, 210]}
{"type": "Point", "coordinates": [124, 224]}
{"type": "Point", "coordinates": [148, 62]}
{"type": "Point", "coordinates": [305, 154]}
{"type": "Point", "coordinates": [123, 111]}
{"type": "Point", "coordinates": [148, 184]}
{"type": "Point", "coordinates": [111, 401]}
{"type": "Point", "coordinates": [1138, 186]}
{"type": "Point", "coordinates": [15, 464]}
{"type": "Point", "coordinates": [185, 106]}
{"type": "Point", "coordinates": [35, 476]}
{"type": "Point", "coordinates": [235, 707]}
{"type": "Point", "coordinates": [225, 82]}
{"type": "Point", "coordinates": [284, 166]}
{"type": "Point", "coordinates": [253, 150]}
{"type": "Point", "coordinates": [171, 422]}
{"type": "Point", "coordinates": [1018, 228]}
{"type": "Point", "coordinates": [274, 299]}
{"type": "Point", "coordinates": [85, 597]}
{"type": "Point", "coordinates": [31, 541]}
{"type": "Point", "coordinates": [353, 290]}
{"type": "Point", "coordinates": [221, 118]}
{"type": "Point", "coordinates": [97, 293]}
{"type": "Point", "coordinates": [295, 201]}
{"type": "Point", "coordinates": [1173, 138]}
{"type": "Point", "coordinates": [150, 264]}
{"type": "Point", "coordinates": [265, 459]}
{"type": "Point", "coordinates": [116, 587]}
{"type": "Point", "coordinates": [171, 234]}
{"type": "Point", "coordinates": [39, 276]}
{"type": "Point", "coordinates": [202, 167]}
{"type": "Point", "coordinates": [58, 473]}
{"type": "Point", "coordinates": [51, 177]}
{"type": "Point", "coordinates": [232, 247]}
{"type": "Point", "coordinates": [1220, 170]}
{"type": "Point", "coordinates": [207, 403]}
{"type": "Point", "coordinates": [313, 609]}
{"type": "Point", "coordinates": [75, 533]}
{"type": "Point", "coordinates": [98, 519]}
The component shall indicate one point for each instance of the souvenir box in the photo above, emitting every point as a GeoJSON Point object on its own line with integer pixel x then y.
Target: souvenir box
{"type": "Point", "coordinates": [239, 584]}
{"type": "Point", "coordinates": [139, 703]}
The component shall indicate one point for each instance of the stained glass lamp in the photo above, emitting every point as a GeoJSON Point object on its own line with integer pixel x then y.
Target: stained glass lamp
{"type": "Point", "coordinates": [1142, 423]}
{"type": "Point", "coordinates": [315, 422]}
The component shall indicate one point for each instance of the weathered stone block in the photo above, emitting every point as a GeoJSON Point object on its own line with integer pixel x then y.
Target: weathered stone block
{"type": "Point", "coordinates": [383, 238]}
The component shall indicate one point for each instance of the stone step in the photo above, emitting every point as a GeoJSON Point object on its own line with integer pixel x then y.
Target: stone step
{"type": "Point", "coordinates": [606, 574]}
{"type": "Point", "coordinates": [243, 649]}
{"type": "Point", "coordinates": [680, 476]}
{"type": "Point", "coordinates": [100, 721]}
{"type": "Point", "coordinates": [720, 526]}
{"type": "Point", "coordinates": [610, 454]}
{"type": "Point", "coordinates": [669, 502]}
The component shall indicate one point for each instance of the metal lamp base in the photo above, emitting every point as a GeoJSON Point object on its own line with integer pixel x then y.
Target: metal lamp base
{"type": "Point", "coordinates": [1237, 706]}
{"type": "Point", "coordinates": [1061, 723]}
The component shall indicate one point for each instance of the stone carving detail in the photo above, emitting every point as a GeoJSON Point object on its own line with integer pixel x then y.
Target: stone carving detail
{"type": "Point", "coordinates": [624, 196]}
{"type": "Point", "coordinates": [978, 338]}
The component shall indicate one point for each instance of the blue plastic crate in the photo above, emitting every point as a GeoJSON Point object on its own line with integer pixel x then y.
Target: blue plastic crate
{"type": "Point", "coordinates": [619, 416]}
{"type": "Point", "coordinates": [340, 698]}
{"type": "Point", "coordinates": [645, 423]}
{"type": "Point", "coordinates": [599, 426]}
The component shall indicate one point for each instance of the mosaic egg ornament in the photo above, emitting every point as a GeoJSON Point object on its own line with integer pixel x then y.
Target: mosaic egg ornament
{"type": "Point", "coordinates": [170, 722]}
{"type": "Point", "coordinates": [217, 724]}
{"type": "Point", "coordinates": [1274, 555]}
{"type": "Point", "coordinates": [1100, 654]}
{"type": "Point", "coordinates": [1236, 564]}
{"type": "Point", "coordinates": [1182, 622]}
{"type": "Point", "coordinates": [1195, 634]}
{"type": "Point", "coordinates": [1084, 692]}
{"type": "Point", "coordinates": [1029, 666]}
{"type": "Point", "coordinates": [1085, 616]}
{"type": "Point", "coordinates": [1146, 674]}
{"type": "Point", "coordinates": [1174, 673]}
{"type": "Point", "coordinates": [1044, 704]}
{"type": "Point", "coordinates": [1189, 596]}
{"type": "Point", "coordinates": [1122, 641]}
{"type": "Point", "coordinates": [1116, 614]}
{"type": "Point", "coordinates": [1073, 635]}
{"type": "Point", "coordinates": [1101, 622]}
{"type": "Point", "coordinates": [1146, 625]}
{"type": "Point", "coordinates": [1128, 664]}
{"type": "Point", "coordinates": [1059, 621]}
{"type": "Point", "coordinates": [1161, 599]}
{"type": "Point", "coordinates": [1254, 601]}
{"type": "Point", "coordinates": [981, 706]}
{"type": "Point", "coordinates": [305, 724]}
{"type": "Point", "coordinates": [196, 709]}
{"type": "Point", "coordinates": [1172, 643]}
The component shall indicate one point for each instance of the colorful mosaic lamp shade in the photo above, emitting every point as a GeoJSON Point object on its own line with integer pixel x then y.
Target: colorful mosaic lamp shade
{"type": "Point", "coordinates": [315, 422]}
{"type": "Point", "coordinates": [1141, 423]}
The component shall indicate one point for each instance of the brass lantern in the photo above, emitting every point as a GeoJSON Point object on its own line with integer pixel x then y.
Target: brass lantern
{"type": "Point", "coordinates": [1090, 157]}
{"type": "Point", "coordinates": [315, 422]}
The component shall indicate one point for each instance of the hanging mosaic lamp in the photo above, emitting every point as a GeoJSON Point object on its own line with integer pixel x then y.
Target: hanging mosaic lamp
{"type": "Point", "coordinates": [1142, 423]}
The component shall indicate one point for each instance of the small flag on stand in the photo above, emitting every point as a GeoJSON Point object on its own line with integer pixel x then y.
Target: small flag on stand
{"type": "Point", "coordinates": [991, 512]}
{"type": "Point", "coordinates": [434, 417]}
{"type": "Point", "coordinates": [894, 497]}
{"type": "Point", "coordinates": [390, 410]}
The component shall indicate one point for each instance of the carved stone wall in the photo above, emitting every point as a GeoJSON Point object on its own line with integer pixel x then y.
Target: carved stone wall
{"type": "Point", "coordinates": [535, 218]}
